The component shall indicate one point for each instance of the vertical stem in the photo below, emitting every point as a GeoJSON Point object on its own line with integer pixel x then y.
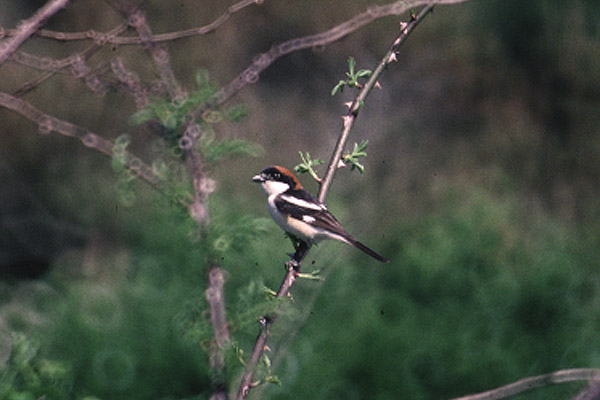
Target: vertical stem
{"type": "Point", "coordinates": [358, 102]}
{"type": "Point", "coordinates": [216, 302]}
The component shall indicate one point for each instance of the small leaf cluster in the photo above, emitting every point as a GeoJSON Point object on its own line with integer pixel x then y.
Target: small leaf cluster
{"type": "Point", "coordinates": [172, 115]}
{"type": "Point", "coordinates": [264, 369]}
{"type": "Point", "coordinates": [119, 162]}
{"type": "Point", "coordinates": [170, 118]}
{"type": "Point", "coordinates": [307, 165]}
{"type": "Point", "coordinates": [350, 157]}
{"type": "Point", "coordinates": [217, 150]}
{"type": "Point", "coordinates": [352, 77]}
{"type": "Point", "coordinates": [354, 156]}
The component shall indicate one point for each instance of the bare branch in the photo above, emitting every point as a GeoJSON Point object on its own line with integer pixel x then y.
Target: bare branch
{"type": "Point", "coordinates": [29, 27]}
{"type": "Point", "coordinates": [202, 183]}
{"type": "Point", "coordinates": [49, 124]}
{"type": "Point", "coordinates": [82, 71]}
{"type": "Point", "coordinates": [264, 60]}
{"type": "Point", "coordinates": [64, 66]}
{"type": "Point", "coordinates": [350, 118]}
{"type": "Point", "coordinates": [131, 81]}
{"type": "Point", "coordinates": [102, 37]}
{"type": "Point", "coordinates": [522, 385]}
{"type": "Point", "coordinates": [32, 84]}
{"type": "Point", "coordinates": [137, 20]}
{"type": "Point", "coordinates": [592, 392]}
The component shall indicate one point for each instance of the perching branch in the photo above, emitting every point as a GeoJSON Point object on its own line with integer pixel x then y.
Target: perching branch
{"type": "Point", "coordinates": [522, 385]}
{"type": "Point", "coordinates": [29, 27]}
{"type": "Point", "coordinates": [293, 265]}
{"type": "Point", "coordinates": [350, 118]}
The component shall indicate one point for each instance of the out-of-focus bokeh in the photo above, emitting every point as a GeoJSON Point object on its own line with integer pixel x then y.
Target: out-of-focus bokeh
{"type": "Point", "coordinates": [481, 185]}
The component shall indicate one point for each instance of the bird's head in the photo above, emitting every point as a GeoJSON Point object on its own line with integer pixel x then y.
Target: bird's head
{"type": "Point", "coordinates": [276, 179]}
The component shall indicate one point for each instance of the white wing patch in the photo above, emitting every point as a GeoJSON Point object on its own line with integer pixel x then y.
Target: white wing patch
{"type": "Point", "coordinates": [308, 219]}
{"type": "Point", "coordinates": [303, 203]}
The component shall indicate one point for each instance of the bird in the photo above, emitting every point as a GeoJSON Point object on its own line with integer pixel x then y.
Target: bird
{"type": "Point", "coordinates": [300, 214]}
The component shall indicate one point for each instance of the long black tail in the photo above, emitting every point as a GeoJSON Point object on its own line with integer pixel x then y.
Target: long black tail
{"type": "Point", "coordinates": [367, 250]}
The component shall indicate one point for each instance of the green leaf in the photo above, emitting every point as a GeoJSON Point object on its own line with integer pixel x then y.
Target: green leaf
{"type": "Point", "coordinates": [307, 165]}
{"type": "Point", "coordinates": [364, 73]}
{"type": "Point", "coordinates": [237, 113]}
{"type": "Point", "coordinates": [142, 116]}
{"type": "Point", "coordinates": [351, 65]}
{"type": "Point", "coordinates": [338, 87]}
{"type": "Point", "coordinates": [352, 158]}
{"type": "Point", "coordinates": [353, 77]}
{"type": "Point", "coordinates": [273, 379]}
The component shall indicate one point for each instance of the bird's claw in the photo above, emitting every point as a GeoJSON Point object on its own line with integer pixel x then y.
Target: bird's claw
{"type": "Point", "coordinates": [292, 264]}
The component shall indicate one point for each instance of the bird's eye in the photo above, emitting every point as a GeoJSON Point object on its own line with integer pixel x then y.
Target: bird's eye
{"type": "Point", "coordinates": [277, 175]}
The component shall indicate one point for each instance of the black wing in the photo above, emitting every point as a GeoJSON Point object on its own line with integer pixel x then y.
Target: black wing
{"type": "Point", "coordinates": [300, 204]}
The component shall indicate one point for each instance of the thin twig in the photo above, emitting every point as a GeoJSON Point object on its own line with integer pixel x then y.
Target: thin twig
{"type": "Point", "coordinates": [49, 124]}
{"type": "Point", "coordinates": [29, 27]}
{"type": "Point", "coordinates": [103, 37]}
{"type": "Point", "coordinates": [293, 266]}
{"type": "Point", "coordinates": [53, 67]}
{"type": "Point", "coordinates": [137, 20]}
{"type": "Point", "coordinates": [522, 385]}
{"type": "Point", "coordinates": [358, 102]}
{"type": "Point", "coordinates": [264, 60]}
{"type": "Point", "coordinates": [131, 81]}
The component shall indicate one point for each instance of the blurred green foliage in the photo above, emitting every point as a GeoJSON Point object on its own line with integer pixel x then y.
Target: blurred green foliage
{"type": "Point", "coordinates": [473, 294]}
{"type": "Point", "coordinates": [478, 294]}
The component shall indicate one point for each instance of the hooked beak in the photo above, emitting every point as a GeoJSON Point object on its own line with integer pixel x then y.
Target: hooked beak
{"type": "Point", "coordinates": [258, 178]}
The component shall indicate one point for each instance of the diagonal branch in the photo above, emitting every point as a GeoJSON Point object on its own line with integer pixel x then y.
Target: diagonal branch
{"type": "Point", "coordinates": [102, 37]}
{"type": "Point", "coordinates": [350, 118]}
{"type": "Point", "coordinates": [137, 20]}
{"type": "Point", "coordinates": [264, 60]}
{"type": "Point", "coordinates": [52, 67]}
{"type": "Point", "coordinates": [293, 266]}
{"type": "Point", "coordinates": [49, 124]}
{"type": "Point", "coordinates": [29, 27]}
{"type": "Point", "coordinates": [533, 382]}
